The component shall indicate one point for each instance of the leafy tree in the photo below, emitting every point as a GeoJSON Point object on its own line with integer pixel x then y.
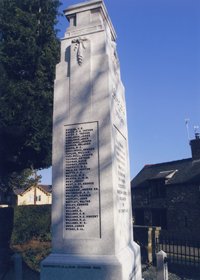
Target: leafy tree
{"type": "Point", "coordinates": [29, 51]}
{"type": "Point", "coordinates": [24, 179]}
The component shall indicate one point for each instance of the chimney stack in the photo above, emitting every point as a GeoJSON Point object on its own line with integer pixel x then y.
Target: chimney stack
{"type": "Point", "coordinates": [195, 146]}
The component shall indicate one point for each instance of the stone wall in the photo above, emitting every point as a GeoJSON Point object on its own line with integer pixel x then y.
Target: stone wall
{"type": "Point", "coordinates": [183, 210]}
{"type": "Point", "coordinates": [182, 205]}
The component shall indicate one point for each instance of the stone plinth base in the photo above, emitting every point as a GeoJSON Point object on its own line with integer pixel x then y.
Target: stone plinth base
{"type": "Point", "coordinates": [124, 266]}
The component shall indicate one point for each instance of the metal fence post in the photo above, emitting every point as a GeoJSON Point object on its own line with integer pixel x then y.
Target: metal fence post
{"type": "Point", "coordinates": [149, 245]}
{"type": "Point", "coordinates": [162, 268]}
{"type": "Point", "coordinates": [155, 241]}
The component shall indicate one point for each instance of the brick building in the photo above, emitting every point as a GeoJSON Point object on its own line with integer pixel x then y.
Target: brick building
{"type": "Point", "coordinates": [168, 195]}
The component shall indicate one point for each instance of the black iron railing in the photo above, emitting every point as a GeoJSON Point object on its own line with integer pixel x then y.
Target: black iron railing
{"type": "Point", "coordinates": [180, 251]}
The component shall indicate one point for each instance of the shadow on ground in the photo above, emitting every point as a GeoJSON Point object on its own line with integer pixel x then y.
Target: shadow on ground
{"type": "Point", "coordinates": [175, 273]}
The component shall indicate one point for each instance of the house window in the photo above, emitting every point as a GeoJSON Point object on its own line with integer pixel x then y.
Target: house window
{"type": "Point", "coordinates": [157, 189]}
{"type": "Point", "coordinates": [38, 198]}
{"type": "Point", "coordinates": [139, 217]}
{"type": "Point", "coordinates": [31, 198]}
{"type": "Point", "coordinates": [159, 218]}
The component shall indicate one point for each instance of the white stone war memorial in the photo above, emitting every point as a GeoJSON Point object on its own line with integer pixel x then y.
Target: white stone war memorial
{"type": "Point", "coordinates": [91, 211]}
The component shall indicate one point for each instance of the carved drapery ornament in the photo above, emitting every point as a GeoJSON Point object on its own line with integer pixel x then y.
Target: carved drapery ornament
{"type": "Point", "coordinates": [79, 47]}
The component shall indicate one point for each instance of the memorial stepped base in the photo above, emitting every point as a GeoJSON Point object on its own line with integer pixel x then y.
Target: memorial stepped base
{"type": "Point", "coordinates": [104, 267]}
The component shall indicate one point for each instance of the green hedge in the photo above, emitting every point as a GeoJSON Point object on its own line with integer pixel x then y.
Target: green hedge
{"type": "Point", "coordinates": [31, 222]}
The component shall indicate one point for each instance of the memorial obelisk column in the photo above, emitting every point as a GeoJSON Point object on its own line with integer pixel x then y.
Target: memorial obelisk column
{"type": "Point", "coordinates": [91, 210]}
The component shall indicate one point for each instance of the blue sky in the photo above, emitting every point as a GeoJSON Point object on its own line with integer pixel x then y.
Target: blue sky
{"type": "Point", "coordinates": [158, 43]}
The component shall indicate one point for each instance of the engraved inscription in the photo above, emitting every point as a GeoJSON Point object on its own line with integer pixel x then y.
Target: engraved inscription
{"type": "Point", "coordinates": [122, 193]}
{"type": "Point", "coordinates": [72, 266]}
{"type": "Point", "coordinates": [83, 31]}
{"type": "Point", "coordinates": [119, 108]}
{"type": "Point", "coordinates": [81, 179]}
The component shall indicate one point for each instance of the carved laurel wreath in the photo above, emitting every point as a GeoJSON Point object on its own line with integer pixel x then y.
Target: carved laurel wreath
{"type": "Point", "coordinates": [79, 46]}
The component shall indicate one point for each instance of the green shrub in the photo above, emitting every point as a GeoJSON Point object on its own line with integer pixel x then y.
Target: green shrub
{"type": "Point", "coordinates": [33, 256]}
{"type": "Point", "coordinates": [31, 222]}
